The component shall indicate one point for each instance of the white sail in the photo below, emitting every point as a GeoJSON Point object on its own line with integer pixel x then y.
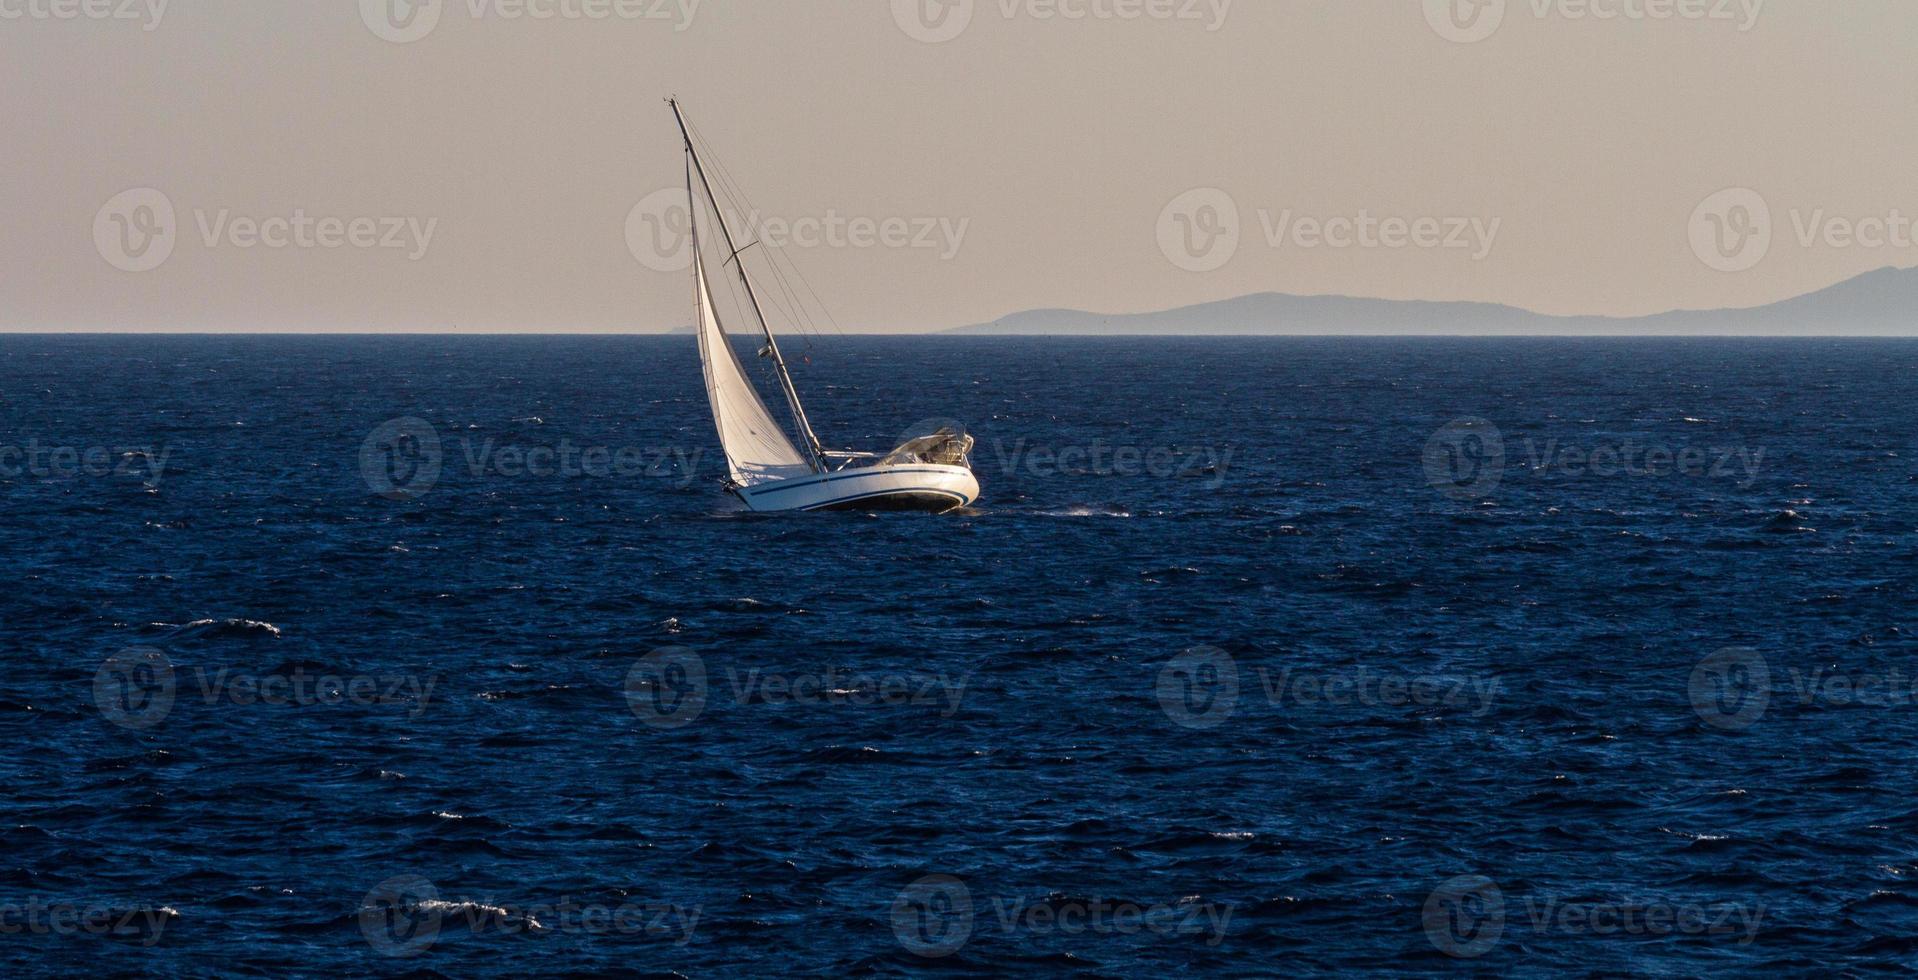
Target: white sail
{"type": "Point", "coordinates": [757, 450]}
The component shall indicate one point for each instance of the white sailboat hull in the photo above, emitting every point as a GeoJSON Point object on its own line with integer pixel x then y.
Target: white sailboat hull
{"type": "Point", "coordinates": [904, 486]}
{"type": "Point", "coordinates": [930, 472]}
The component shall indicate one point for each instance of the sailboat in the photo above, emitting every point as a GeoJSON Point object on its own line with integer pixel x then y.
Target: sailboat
{"type": "Point", "coordinates": [930, 472]}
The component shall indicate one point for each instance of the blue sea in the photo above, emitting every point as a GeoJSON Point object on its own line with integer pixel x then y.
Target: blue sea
{"type": "Point", "coordinates": [437, 656]}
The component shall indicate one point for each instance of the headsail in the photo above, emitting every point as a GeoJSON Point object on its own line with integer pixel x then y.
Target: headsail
{"type": "Point", "coordinates": [757, 449]}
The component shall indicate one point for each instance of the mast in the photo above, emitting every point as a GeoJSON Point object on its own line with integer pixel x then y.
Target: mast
{"type": "Point", "coordinates": [813, 449]}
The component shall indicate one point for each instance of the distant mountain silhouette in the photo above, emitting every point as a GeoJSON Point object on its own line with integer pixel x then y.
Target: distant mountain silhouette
{"type": "Point", "coordinates": [1876, 303]}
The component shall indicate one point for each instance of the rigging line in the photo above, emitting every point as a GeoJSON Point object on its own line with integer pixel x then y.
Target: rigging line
{"type": "Point", "coordinates": [741, 201]}
{"type": "Point", "coordinates": [740, 251]}
{"type": "Point", "coordinates": [778, 255]}
{"type": "Point", "coordinates": [804, 316]}
{"type": "Point", "coordinates": [807, 285]}
{"type": "Point", "coordinates": [798, 316]}
{"type": "Point", "coordinates": [735, 188]}
{"type": "Point", "coordinates": [795, 313]}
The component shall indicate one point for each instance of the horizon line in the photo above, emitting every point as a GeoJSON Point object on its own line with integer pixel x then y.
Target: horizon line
{"type": "Point", "coordinates": [962, 330]}
{"type": "Point", "coordinates": [950, 335]}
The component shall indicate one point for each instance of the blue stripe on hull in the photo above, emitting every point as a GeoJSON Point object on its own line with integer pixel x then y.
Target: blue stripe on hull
{"type": "Point", "coordinates": [957, 499]}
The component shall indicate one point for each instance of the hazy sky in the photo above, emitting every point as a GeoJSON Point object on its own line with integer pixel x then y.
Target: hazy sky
{"type": "Point", "coordinates": [933, 163]}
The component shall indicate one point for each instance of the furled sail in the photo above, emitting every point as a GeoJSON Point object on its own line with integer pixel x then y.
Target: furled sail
{"type": "Point", "coordinates": [757, 449]}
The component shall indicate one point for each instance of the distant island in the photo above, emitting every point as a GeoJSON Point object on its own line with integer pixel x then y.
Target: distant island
{"type": "Point", "coordinates": [1878, 303]}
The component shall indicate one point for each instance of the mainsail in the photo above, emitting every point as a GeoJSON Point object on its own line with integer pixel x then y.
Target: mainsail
{"type": "Point", "coordinates": [757, 449]}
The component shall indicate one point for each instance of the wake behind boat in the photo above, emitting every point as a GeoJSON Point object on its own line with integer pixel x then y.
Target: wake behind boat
{"type": "Point", "coordinates": [932, 472]}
